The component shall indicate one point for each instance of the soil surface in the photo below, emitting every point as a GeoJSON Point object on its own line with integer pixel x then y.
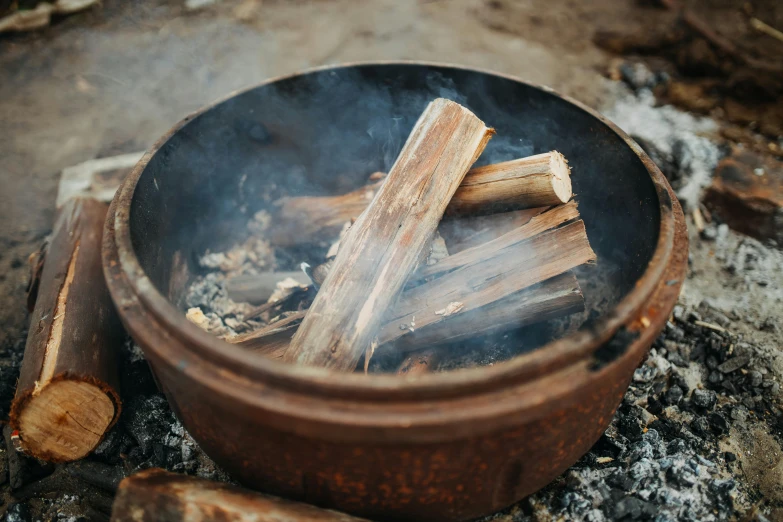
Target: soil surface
{"type": "Point", "coordinates": [698, 436]}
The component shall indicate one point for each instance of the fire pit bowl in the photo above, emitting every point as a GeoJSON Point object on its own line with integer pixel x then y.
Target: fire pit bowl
{"type": "Point", "coordinates": [447, 446]}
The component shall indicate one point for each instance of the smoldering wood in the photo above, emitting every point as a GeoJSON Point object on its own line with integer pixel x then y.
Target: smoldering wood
{"type": "Point", "coordinates": [488, 280]}
{"type": "Point", "coordinates": [551, 299]}
{"type": "Point", "coordinates": [514, 287]}
{"type": "Point", "coordinates": [535, 181]}
{"type": "Point", "coordinates": [66, 397]}
{"type": "Point", "coordinates": [552, 218]}
{"type": "Point", "coordinates": [155, 495]}
{"type": "Point", "coordinates": [258, 288]}
{"type": "Point", "coordinates": [464, 232]}
{"type": "Point", "coordinates": [538, 224]}
{"type": "Point", "coordinates": [383, 247]}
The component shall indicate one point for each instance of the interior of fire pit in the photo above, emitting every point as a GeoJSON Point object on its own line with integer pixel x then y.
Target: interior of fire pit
{"type": "Point", "coordinates": [325, 132]}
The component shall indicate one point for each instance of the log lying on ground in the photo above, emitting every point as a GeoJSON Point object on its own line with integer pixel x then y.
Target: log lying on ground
{"type": "Point", "coordinates": [258, 288]}
{"type": "Point", "coordinates": [155, 495]}
{"type": "Point", "coordinates": [537, 181]}
{"type": "Point", "coordinates": [66, 396]}
{"type": "Point", "coordinates": [382, 248]}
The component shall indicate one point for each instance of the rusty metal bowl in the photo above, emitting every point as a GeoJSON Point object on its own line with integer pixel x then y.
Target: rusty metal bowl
{"type": "Point", "coordinates": [447, 446]}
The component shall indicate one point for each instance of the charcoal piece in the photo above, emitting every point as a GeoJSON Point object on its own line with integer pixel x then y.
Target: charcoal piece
{"type": "Point", "coordinates": [633, 508]}
{"type": "Point", "coordinates": [98, 474]}
{"type": "Point", "coordinates": [23, 470]}
{"type": "Point", "coordinates": [666, 428]}
{"type": "Point", "coordinates": [19, 512]}
{"type": "Point", "coordinates": [681, 474]}
{"type": "Point", "coordinates": [148, 420]}
{"type": "Point", "coordinates": [641, 450]}
{"type": "Point", "coordinates": [677, 359]}
{"type": "Point", "coordinates": [700, 426]}
{"type": "Point", "coordinates": [642, 469]}
{"type": "Point", "coordinates": [729, 456]}
{"type": "Point", "coordinates": [116, 442]}
{"type": "Point", "coordinates": [621, 480]}
{"type": "Point", "coordinates": [654, 406]}
{"type": "Point", "coordinates": [704, 399]}
{"type": "Point", "coordinates": [718, 423]}
{"type": "Point", "coordinates": [676, 447]}
{"type": "Point", "coordinates": [673, 395]}
{"type": "Point", "coordinates": [630, 427]}
{"type": "Point", "coordinates": [715, 377]}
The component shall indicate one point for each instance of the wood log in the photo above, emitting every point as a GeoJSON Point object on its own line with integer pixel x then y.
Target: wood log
{"type": "Point", "coordinates": [536, 181]}
{"type": "Point", "coordinates": [258, 288]}
{"type": "Point", "coordinates": [488, 280]}
{"type": "Point", "coordinates": [155, 495]}
{"type": "Point", "coordinates": [551, 299]}
{"type": "Point", "coordinates": [66, 397]}
{"type": "Point", "coordinates": [383, 247]}
{"type": "Point", "coordinates": [419, 363]}
{"type": "Point", "coordinates": [464, 232]}
{"type": "Point", "coordinates": [538, 224]}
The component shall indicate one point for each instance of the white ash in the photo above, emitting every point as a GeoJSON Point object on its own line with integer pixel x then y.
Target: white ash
{"type": "Point", "coordinates": [207, 300]}
{"type": "Point", "coordinates": [682, 138]}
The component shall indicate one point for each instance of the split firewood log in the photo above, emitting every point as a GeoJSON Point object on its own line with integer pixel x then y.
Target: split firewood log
{"type": "Point", "coordinates": [535, 181]}
{"type": "Point", "coordinates": [155, 495]}
{"type": "Point", "coordinates": [66, 397]}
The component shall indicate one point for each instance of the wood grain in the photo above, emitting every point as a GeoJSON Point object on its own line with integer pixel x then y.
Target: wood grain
{"type": "Point", "coordinates": [383, 247]}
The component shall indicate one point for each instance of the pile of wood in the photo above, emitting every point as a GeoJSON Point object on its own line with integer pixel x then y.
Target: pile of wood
{"type": "Point", "coordinates": [431, 253]}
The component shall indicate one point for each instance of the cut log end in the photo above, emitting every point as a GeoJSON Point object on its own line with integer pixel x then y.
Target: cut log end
{"type": "Point", "coordinates": [65, 420]}
{"type": "Point", "coordinates": [561, 176]}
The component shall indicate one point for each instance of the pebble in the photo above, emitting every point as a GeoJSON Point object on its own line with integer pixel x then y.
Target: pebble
{"type": "Point", "coordinates": [739, 413]}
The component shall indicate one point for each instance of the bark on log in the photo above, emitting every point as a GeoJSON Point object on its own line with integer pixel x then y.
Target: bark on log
{"type": "Point", "coordinates": [155, 495]}
{"type": "Point", "coordinates": [536, 181]}
{"type": "Point", "coordinates": [383, 247]}
{"type": "Point", "coordinates": [258, 288]}
{"type": "Point", "coordinates": [66, 396]}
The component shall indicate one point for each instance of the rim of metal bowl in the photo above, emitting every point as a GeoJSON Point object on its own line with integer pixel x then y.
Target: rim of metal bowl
{"type": "Point", "coordinates": [544, 360]}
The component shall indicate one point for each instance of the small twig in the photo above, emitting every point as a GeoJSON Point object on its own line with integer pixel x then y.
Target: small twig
{"type": "Point", "coordinates": [711, 326]}
{"type": "Point", "coordinates": [758, 25]}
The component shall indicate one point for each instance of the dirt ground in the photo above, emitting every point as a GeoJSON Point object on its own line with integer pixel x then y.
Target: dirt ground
{"type": "Point", "coordinates": [114, 78]}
